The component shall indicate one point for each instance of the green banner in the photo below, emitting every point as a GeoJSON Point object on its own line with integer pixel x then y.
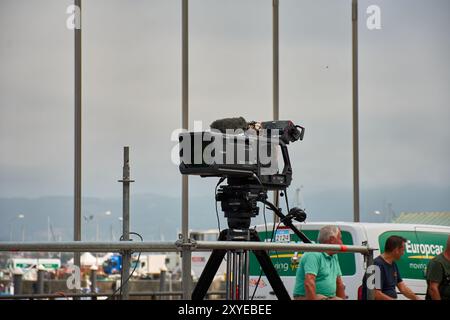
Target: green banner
{"type": "Point", "coordinates": [420, 248]}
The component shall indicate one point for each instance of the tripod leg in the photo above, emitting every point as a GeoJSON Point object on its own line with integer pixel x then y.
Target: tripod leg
{"type": "Point", "coordinates": [213, 264]}
{"type": "Point", "coordinates": [270, 271]}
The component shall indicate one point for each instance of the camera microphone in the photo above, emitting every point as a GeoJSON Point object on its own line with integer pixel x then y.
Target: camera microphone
{"type": "Point", "coordinates": [229, 123]}
{"type": "Point", "coordinates": [285, 129]}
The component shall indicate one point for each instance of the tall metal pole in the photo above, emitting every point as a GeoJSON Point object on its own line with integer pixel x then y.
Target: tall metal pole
{"type": "Point", "coordinates": [77, 126]}
{"type": "Point", "coordinates": [356, 210]}
{"type": "Point", "coordinates": [186, 259]}
{"type": "Point", "coordinates": [126, 257]}
{"type": "Point", "coordinates": [276, 83]}
{"type": "Point", "coordinates": [40, 279]}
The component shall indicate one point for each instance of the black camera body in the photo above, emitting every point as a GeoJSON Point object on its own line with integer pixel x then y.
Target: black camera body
{"type": "Point", "coordinates": [250, 154]}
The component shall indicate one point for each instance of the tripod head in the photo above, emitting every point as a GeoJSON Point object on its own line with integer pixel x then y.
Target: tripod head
{"type": "Point", "coordinates": [239, 203]}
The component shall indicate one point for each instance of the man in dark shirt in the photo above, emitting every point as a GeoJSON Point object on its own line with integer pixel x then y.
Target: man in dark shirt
{"type": "Point", "coordinates": [390, 277]}
{"type": "Point", "coordinates": [438, 275]}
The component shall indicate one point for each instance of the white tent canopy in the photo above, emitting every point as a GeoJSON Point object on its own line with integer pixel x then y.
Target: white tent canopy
{"type": "Point", "coordinates": [88, 259]}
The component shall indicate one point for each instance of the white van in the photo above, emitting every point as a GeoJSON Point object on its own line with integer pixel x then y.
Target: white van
{"type": "Point", "coordinates": [28, 266]}
{"type": "Point", "coordinates": [424, 242]}
{"type": "Point", "coordinates": [200, 258]}
{"type": "Point", "coordinates": [151, 265]}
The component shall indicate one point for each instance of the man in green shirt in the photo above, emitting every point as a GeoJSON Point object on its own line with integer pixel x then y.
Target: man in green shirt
{"type": "Point", "coordinates": [319, 275]}
{"type": "Point", "coordinates": [438, 275]}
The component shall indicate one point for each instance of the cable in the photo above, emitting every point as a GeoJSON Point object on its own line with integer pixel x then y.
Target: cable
{"type": "Point", "coordinates": [222, 179]}
{"type": "Point", "coordinates": [135, 266]}
{"type": "Point", "coordinates": [287, 202]}
{"type": "Point", "coordinates": [271, 240]}
{"type": "Point", "coordinates": [273, 208]}
{"type": "Point", "coordinates": [132, 272]}
{"type": "Point", "coordinates": [215, 201]}
{"type": "Point", "coordinates": [287, 208]}
{"type": "Point", "coordinates": [265, 221]}
{"type": "Point", "coordinates": [260, 274]}
{"type": "Point", "coordinates": [257, 179]}
{"type": "Point", "coordinates": [217, 212]}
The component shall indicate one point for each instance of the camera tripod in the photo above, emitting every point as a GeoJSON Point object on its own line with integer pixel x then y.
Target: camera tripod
{"type": "Point", "coordinates": [239, 203]}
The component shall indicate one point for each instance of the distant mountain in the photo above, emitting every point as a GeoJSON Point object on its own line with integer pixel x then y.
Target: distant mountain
{"type": "Point", "coordinates": [158, 217]}
{"type": "Point", "coordinates": [155, 217]}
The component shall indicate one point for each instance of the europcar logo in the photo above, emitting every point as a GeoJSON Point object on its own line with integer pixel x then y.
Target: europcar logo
{"type": "Point", "coordinates": [420, 248]}
{"type": "Point", "coordinates": [422, 251]}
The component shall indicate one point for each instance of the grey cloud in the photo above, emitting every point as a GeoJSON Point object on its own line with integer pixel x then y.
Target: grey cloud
{"type": "Point", "coordinates": [132, 90]}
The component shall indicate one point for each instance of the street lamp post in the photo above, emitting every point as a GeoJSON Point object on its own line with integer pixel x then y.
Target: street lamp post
{"type": "Point", "coordinates": [11, 221]}
{"type": "Point", "coordinates": [111, 238]}
{"type": "Point", "coordinates": [87, 219]}
{"type": "Point", "coordinates": [378, 214]}
{"type": "Point", "coordinates": [97, 220]}
{"type": "Point", "coordinates": [120, 227]}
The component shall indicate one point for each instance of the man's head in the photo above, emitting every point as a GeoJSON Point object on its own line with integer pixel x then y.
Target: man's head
{"type": "Point", "coordinates": [395, 247]}
{"type": "Point", "coordinates": [330, 235]}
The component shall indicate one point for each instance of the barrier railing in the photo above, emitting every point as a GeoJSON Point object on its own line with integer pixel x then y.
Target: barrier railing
{"type": "Point", "coordinates": [120, 246]}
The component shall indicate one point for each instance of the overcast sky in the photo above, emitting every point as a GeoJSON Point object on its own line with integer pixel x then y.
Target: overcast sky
{"type": "Point", "coordinates": [132, 91]}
